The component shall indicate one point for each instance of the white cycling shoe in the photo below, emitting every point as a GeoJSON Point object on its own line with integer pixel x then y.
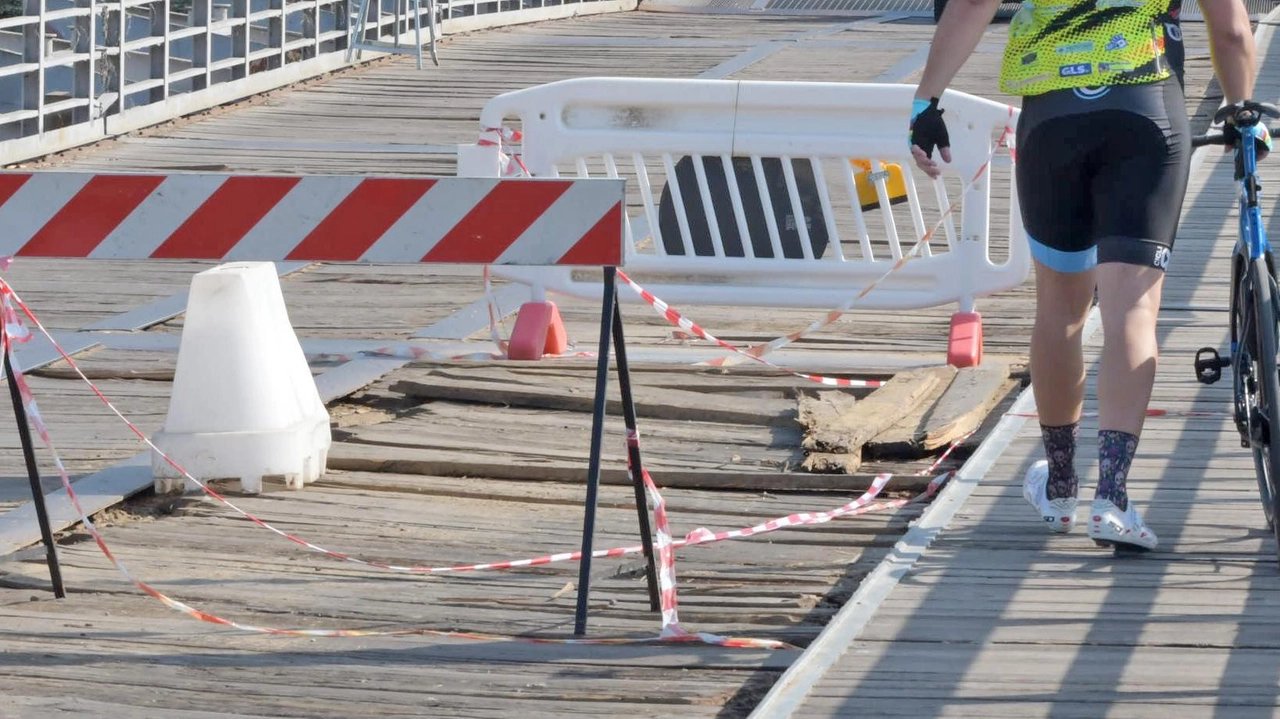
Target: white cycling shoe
{"type": "Point", "coordinates": [1110, 527]}
{"type": "Point", "coordinates": [1058, 514]}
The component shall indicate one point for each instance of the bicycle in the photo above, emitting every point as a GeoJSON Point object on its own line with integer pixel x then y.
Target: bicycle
{"type": "Point", "coordinates": [1255, 307]}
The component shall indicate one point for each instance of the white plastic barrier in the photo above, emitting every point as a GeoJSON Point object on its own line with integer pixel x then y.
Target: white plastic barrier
{"type": "Point", "coordinates": [638, 129]}
{"type": "Point", "coordinates": [244, 405]}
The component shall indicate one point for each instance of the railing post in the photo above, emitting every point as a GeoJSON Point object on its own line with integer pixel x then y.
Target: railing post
{"type": "Point", "coordinates": [314, 17]}
{"type": "Point", "coordinates": [83, 84]}
{"type": "Point", "coordinates": [33, 51]}
{"type": "Point", "coordinates": [201, 56]}
{"type": "Point", "coordinates": [240, 37]}
{"type": "Point", "coordinates": [121, 31]}
{"type": "Point", "coordinates": [280, 31]}
{"type": "Point", "coordinates": [159, 54]}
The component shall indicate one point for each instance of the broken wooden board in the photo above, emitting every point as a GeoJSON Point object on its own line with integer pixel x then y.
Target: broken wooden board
{"type": "Point", "coordinates": [846, 433]}
{"type": "Point", "coordinates": [952, 412]}
{"type": "Point", "coordinates": [453, 439]}
{"type": "Point", "coordinates": [825, 408]}
{"type": "Point", "coordinates": [552, 390]}
{"type": "Point", "coordinates": [832, 462]}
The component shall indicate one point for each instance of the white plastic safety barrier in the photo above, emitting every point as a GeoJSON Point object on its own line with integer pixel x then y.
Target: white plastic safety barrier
{"type": "Point", "coordinates": [244, 405]}
{"type": "Point", "coordinates": [805, 150]}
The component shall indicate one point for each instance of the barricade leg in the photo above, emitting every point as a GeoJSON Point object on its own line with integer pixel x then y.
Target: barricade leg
{"type": "Point", "coordinates": [633, 459]}
{"type": "Point", "coordinates": [538, 331]}
{"type": "Point", "coordinates": [597, 441]}
{"type": "Point", "coordinates": [33, 474]}
{"type": "Point", "coordinates": [964, 347]}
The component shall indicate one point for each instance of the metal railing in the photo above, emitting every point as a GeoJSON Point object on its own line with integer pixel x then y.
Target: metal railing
{"type": "Point", "coordinates": [74, 71]}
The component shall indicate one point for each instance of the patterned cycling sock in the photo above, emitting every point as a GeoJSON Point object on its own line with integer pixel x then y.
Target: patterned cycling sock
{"type": "Point", "coordinates": [1060, 450]}
{"type": "Point", "coordinates": [1115, 454]}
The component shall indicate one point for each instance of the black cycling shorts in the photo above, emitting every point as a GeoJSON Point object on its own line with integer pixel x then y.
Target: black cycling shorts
{"type": "Point", "coordinates": [1102, 173]}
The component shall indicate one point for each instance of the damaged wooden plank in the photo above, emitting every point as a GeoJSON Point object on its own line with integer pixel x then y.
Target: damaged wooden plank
{"type": "Point", "coordinates": [954, 411]}
{"type": "Point", "coordinates": [878, 411]}
{"type": "Point", "coordinates": [832, 463]}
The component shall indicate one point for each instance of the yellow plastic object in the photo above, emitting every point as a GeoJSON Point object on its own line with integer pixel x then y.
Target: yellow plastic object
{"type": "Point", "coordinates": [895, 183]}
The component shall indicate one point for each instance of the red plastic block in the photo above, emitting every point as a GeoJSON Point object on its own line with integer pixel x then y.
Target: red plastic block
{"type": "Point", "coordinates": [539, 330]}
{"type": "Point", "coordinates": [964, 347]}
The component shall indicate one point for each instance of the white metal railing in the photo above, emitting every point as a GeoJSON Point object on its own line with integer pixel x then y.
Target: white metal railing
{"type": "Point", "coordinates": [700, 229]}
{"type": "Point", "coordinates": [74, 71]}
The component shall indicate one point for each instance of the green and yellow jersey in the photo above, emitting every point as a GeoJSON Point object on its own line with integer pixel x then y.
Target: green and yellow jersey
{"type": "Point", "coordinates": [1087, 43]}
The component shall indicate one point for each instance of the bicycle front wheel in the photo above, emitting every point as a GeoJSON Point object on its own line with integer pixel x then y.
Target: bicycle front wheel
{"type": "Point", "coordinates": [1266, 436]}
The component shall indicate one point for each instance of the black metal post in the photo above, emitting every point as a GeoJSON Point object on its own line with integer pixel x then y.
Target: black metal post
{"type": "Point", "coordinates": [33, 473]}
{"type": "Point", "coordinates": [597, 441]}
{"type": "Point", "coordinates": [633, 458]}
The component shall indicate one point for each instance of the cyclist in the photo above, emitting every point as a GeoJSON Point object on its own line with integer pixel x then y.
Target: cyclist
{"type": "Point", "coordinates": [1103, 158]}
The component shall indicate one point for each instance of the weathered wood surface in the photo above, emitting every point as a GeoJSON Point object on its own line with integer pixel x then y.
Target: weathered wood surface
{"type": "Point", "coordinates": [846, 432]}
{"type": "Point", "coordinates": [546, 390]}
{"type": "Point", "coordinates": [110, 651]}
{"type": "Point", "coordinates": [952, 413]}
{"type": "Point", "coordinates": [1003, 619]}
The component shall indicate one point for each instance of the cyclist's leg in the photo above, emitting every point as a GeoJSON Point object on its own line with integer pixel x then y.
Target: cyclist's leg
{"type": "Point", "coordinates": [1129, 299]}
{"type": "Point", "coordinates": [1056, 210]}
{"type": "Point", "coordinates": [1138, 190]}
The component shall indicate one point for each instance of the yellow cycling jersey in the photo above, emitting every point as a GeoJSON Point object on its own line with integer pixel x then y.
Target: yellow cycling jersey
{"type": "Point", "coordinates": [1085, 43]}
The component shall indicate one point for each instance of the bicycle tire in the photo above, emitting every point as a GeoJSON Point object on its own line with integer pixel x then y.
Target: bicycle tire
{"type": "Point", "coordinates": [1268, 385]}
{"type": "Point", "coordinates": [1244, 373]}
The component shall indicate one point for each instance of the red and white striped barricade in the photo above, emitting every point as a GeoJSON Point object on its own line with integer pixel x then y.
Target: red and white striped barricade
{"type": "Point", "coordinates": [313, 217]}
{"type": "Point", "coordinates": [833, 154]}
{"type": "Point", "coordinates": [508, 222]}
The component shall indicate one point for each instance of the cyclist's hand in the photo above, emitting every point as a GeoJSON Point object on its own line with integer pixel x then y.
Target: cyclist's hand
{"type": "Point", "coordinates": [1232, 135]}
{"type": "Point", "coordinates": [927, 131]}
{"type": "Point", "coordinates": [1250, 113]}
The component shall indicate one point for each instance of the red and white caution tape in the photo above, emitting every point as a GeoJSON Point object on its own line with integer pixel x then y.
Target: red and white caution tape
{"type": "Point", "coordinates": [758, 352]}
{"type": "Point", "coordinates": [512, 165]}
{"type": "Point", "coordinates": [672, 631]}
{"type": "Point", "coordinates": [10, 297]}
{"type": "Point", "coordinates": [674, 317]}
{"type": "Point", "coordinates": [32, 411]}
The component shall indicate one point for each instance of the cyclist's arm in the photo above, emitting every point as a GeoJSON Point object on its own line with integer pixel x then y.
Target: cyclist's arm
{"type": "Point", "coordinates": [954, 40]}
{"type": "Point", "coordinates": [1232, 48]}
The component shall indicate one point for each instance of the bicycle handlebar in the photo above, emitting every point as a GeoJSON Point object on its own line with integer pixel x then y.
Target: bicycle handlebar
{"type": "Point", "coordinates": [1244, 114]}
{"type": "Point", "coordinates": [1214, 139]}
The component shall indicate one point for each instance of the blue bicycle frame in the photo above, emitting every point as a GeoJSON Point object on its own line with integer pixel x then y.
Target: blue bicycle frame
{"type": "Point", "coordinates": [1252, 232]}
